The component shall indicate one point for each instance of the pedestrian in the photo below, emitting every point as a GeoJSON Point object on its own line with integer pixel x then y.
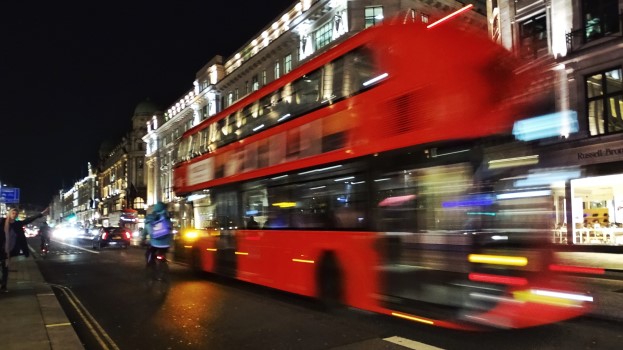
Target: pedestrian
{"type": "Point", "coordinates": [13, 241]}
{"type": "Point", "coordinates": [44, 234]}
{"type": "Point", "coordinates": [252, 224]}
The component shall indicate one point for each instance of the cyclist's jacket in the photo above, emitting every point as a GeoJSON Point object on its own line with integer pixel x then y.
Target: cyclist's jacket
{"type": "Point", "coordinates": [161, 241]}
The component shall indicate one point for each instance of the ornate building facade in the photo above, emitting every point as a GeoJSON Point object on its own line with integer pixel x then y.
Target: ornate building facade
{"type": "Point", "coordinates": [581, 43]}
{"type": "Point", "coordinates": [79, 203]}
{"type": "Point", "coordinates": [121, 175]}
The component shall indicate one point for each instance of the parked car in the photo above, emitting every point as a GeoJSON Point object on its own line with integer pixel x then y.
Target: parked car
{"type": "Point", "coordinates": [112, 237]}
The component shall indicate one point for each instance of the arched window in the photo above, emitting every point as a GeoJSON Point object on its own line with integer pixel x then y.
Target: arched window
{"type": "Point", "coordinates": [139, 203]}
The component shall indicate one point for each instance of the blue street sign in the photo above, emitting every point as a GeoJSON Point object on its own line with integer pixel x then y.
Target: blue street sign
{"type": "Point", "coordinates": [9, 195]}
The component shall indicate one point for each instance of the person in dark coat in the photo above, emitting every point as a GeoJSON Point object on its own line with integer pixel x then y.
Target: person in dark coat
{"type": "Point", "coordinates": [13, 240]}
{"type": "Point", "coordinates": [252, 224]}
{"type": "Point", "coordinates": [44, 234]}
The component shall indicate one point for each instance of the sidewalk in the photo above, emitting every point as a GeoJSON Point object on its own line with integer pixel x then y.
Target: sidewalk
{"type": "Point", "coordinates": [30, 315]}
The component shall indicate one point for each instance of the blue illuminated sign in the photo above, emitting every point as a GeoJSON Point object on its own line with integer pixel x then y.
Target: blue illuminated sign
{"type": "Point", "coordinates": [559, 124]}
{"type": "Point", "coordinates": [9, 195]}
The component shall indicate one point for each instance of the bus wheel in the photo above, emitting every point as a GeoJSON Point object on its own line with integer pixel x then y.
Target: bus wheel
{"type": "Point", "coordinates": [329, 282]}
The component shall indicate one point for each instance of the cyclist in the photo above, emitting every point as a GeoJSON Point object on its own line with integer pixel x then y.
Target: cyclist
{"type": "Point", "coordinates": [160, 230]}
{"type": "Point", "coordinates": [44, 234]}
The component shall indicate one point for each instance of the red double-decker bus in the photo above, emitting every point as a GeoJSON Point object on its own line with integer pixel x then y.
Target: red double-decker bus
{"type": "Point", "coordinates": [375, 175]}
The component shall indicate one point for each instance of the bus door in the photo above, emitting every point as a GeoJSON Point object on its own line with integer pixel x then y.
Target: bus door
{"type": "Point", "coordinates": [226, 213]}
{"type": "Point", "coordinates": [425, 250]}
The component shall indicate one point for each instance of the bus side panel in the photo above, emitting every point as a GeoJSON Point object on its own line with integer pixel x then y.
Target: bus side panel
{"type": "Point", "coordinates": [358, 256]}
{"type": "Point", "coordinates": [289, 261]}
{"type": "Point", "coordinates": [266, 257]}
{"type": "Point", "coordinates": [206, 248]}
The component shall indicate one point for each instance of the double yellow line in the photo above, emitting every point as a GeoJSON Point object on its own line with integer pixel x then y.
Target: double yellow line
{"type": "Point", "coordinates": [98, 332]}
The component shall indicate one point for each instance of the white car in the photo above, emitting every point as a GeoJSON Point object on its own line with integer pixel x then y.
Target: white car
{"type": "Point", "coordinates": [31, 231]}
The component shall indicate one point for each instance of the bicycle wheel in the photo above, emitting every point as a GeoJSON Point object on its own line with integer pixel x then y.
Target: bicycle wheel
{"type": "Point", "coordinates": [162, 271]}
{"type": "Point", "coordinates": [150, 276]}
{"type": "Point", "coordinates": [159, 281]}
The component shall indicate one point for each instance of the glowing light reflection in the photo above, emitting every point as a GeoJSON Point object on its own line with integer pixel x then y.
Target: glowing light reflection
{"type": "Point", "coordinates": [453, 14]}
{"type": "Point", "coordinates": [498, 260]}
{"type": "Point", "coordinates": [413, 318]}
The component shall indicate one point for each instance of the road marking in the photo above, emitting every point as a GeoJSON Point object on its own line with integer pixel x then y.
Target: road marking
{"type": "Point", "coordinates": [78, 247]}
{"type": "Point", "coordinates": [58, 324]}
{"type": "Point", "coordinates": [411, 344]}
{"type": "Point", "coordinates": [98, 332]}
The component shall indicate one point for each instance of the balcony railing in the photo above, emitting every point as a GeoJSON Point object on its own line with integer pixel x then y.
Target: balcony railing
{"type": "Point", "coordinates": [577, 38]}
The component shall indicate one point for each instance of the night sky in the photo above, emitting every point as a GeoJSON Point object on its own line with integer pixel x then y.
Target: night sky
{"type": "Point", "coordinates": [72, 72]}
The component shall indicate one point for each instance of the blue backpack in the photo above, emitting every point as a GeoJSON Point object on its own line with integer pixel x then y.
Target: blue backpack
{"type": "Point", "coordinates": [161, 227]}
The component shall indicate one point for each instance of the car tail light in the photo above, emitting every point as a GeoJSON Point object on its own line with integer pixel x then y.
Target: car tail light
{"type": "Point", "coordinates": [127, 235]}
{"type": "Point", "coordinates": [104, 235]}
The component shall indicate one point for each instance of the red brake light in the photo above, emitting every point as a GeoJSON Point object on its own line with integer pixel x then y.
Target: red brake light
{"type": "Point", "coordinates": [127, 235]}
{"type": "Point", "coordinates": [104, 235]}
{"type": "Point", "coordinates": [577, 269]}
{"type": "Point", "coordinates": [484, 277]}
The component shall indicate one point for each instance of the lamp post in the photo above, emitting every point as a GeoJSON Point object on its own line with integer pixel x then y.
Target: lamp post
{"type": "Point", "coordinates": [2, 204]}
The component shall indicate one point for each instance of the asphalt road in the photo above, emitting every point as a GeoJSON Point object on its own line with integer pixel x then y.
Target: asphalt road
{"type": "Point", "coordinates": [105, 297]}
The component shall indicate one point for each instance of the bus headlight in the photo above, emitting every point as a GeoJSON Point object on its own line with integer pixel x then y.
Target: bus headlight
{"type": "Point", "coordinates": [190, 235]}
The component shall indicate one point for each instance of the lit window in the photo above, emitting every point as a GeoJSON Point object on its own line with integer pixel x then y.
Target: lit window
{"type": "Point", "coordinates": [604, 93]}
{"type": "Point", "coordinates": [601, 17]}
{"type": "Point", "coordinates": [373, 15]}
{"type": "Point", "coordinates": [287, 64]}
{"type": "Point", "coordinates": [255, 83]}
{"type": "Point", "coordinates": [324, 35]}
{"type": "Point", "coordinates": [277, 70]}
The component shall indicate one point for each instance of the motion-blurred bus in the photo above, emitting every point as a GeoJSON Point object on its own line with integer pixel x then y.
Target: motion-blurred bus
{"type": "Point", "coordinates": [378, 175]}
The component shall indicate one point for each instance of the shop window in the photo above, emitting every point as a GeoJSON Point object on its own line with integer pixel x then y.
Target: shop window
{"type": "Point", "coordinates": [604, 92]}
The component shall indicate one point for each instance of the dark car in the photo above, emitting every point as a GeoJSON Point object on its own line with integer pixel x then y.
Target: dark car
{"type": "Point", "coordinates": [112, 237]}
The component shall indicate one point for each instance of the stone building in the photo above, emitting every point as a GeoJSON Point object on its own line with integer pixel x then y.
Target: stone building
{"type": "Point", "coordinates": [121, 175]}
{"type": "Point", "coordinates": [79, 203]}
{"type": "Point", "coordinates": [580, 43]}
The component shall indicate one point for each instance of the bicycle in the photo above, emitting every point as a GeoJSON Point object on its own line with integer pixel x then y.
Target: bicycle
{"type": "Point", "coordinates": [45, 249]}
{"type": "Point", "coordinates": [157, 274]}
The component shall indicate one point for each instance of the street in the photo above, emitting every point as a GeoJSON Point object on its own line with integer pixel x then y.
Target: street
{"type": "Point", "coordinates": [209, 312]}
